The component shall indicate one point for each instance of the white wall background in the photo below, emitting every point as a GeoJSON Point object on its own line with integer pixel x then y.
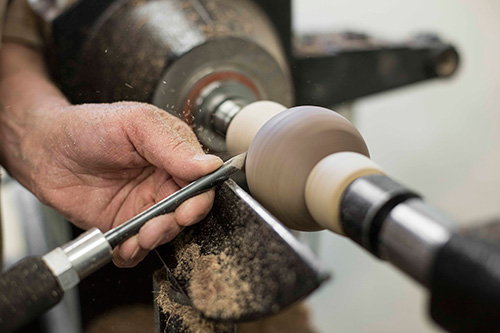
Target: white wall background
{"type": "Point", "coordinates": [441, 138]}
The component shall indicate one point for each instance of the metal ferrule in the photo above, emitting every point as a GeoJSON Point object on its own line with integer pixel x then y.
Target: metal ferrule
{"type": "Point", "coordinates": [394, 224]}
{"type": "Point", "coordinates": [411, 235]}
{"type": "Point", "coordinates": [79, 258]}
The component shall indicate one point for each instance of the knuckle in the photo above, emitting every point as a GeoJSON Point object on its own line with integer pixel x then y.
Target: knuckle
{"type": "Point", "coordinates": [179, 145]}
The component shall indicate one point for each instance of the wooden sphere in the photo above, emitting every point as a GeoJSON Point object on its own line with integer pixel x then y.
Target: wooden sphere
{"type": "Point", "coordinates": [285, 150]}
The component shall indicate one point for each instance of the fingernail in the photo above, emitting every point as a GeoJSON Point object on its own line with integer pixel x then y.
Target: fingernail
{"type": "Point", "coordinates": [134, 255]}
{"type": "Point", "coordinates": [205, 157]}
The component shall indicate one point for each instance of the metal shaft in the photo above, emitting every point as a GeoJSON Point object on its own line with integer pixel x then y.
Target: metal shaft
{"type": "Point", "coordinates": [411, 236]}
{"type": "Point", "coordinates": [394, 224]}
{"type": "Point", "coordinates": [169, 204]}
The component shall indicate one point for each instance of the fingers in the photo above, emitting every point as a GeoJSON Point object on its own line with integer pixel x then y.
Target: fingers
{"type": "Point", "coordinates": [129, 253]}
{"type": "Point", "coordinates": [155, 232]}
{"type": "Point", "coordinates": [170, 145]}
{"type": "Point", "coordinates": [158, 231]}
{"type": "Point", "coordinates": [162, 229]}
{"type": "Point", "coordinates": [163, 140]}
{"type": "Point", "coordinates": [195, 209]}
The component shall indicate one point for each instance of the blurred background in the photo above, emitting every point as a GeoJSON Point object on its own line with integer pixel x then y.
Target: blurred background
{"type": "Point", "coordinates": [440, 138]}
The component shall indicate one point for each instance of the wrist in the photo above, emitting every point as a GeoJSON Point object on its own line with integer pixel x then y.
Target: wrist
{"type": "Point", "coordinates": [30, 105]}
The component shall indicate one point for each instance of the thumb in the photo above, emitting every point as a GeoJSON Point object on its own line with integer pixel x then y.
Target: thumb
{"type": "Point", "coordinates": [158, 139]}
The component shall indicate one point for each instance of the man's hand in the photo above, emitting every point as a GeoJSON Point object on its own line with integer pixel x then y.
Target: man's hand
{"type": "Point", "coordinates": [99, 164]}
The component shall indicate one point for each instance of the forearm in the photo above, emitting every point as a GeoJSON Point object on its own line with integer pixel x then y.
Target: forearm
{"type": "Point", "coordinates": [28, 99]}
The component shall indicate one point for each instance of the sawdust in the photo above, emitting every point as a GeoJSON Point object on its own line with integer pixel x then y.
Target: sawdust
{"type": "Point", "coordinates": [233, 268]}
{"type": "Point", "coordinates": [186, 259]}
{"type": "Point", "coordinates": [216, 282]}
{"type": "Point", "coordinates": [292, 320]}
{"type": "Point", "coordinates": [217, 288]}
{"type": "Point", "coordinates": [192, 320]}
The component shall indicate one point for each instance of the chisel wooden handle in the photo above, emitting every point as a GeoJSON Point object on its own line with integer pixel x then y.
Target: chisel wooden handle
{"type": "Point", "coordinates": [26, 291]}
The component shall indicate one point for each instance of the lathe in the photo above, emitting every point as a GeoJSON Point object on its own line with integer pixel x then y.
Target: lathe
{"type": "Point", "coordinates": [233, 70]}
